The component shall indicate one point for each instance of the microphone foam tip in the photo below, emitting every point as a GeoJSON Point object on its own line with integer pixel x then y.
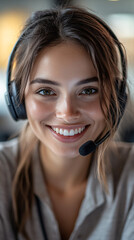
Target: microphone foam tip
{"type": "Point", "coordinates": [87, 148]}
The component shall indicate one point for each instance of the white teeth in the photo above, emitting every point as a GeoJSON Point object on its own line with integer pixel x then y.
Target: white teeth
{"type": "Point", "coordinates": [66, 132]}
{"type": "Point", "coordinates": [76, 131]}
{"type": "Point", "coordinates": [57, 130]}
{"type": "Point", "coordinates": [72, 132]}
{"type": "Point", "coordinates": [79, 130]}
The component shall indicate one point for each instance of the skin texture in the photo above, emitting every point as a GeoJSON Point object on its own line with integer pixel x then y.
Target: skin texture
{"type": "Point", "coordinates": [65, 171]}
{"type": "Point", "coordinates": [66, 63]}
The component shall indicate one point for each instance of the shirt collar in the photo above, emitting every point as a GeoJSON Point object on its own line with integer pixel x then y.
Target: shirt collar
{"type": "Point", "coordinates": [94, 194]}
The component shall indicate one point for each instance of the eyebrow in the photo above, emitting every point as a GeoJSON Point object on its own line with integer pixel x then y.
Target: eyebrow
{"type": "Point", "coordinates": [42, 80]}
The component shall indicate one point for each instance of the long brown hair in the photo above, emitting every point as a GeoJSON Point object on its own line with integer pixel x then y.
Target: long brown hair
{"type": "Point", "coordinates": [48, 28]}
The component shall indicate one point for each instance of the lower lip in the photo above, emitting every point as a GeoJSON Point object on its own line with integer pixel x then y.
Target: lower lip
{"type": "Point", "coordinates": [68, 139]}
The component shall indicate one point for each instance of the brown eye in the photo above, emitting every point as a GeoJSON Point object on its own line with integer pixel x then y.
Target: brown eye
{"type": "Point", "coordinates": [46, 92]}
{"type": "Point", "coordinates": [89, 91]}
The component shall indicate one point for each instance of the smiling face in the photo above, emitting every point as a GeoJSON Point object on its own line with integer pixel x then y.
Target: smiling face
{"type": "Point", "coordinates": [62, 98]}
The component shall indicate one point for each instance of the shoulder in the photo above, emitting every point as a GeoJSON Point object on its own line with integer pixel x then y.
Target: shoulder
{"type": "Point", "coordinates": [8, 153]}
{"type": "Point", "coordinates": [121, 156]}
{"type": "Point", "coordinates": [10, 145]}
{"type": "Point", "coordinates": [121, 185]}
{"type": "Point", "coordinates": [8, 164]}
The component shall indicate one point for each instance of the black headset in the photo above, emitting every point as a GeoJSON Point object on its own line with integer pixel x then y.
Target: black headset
{"type": "Point", "coordinates": [17, 108]}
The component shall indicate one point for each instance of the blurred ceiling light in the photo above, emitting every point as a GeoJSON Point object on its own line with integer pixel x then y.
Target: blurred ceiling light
{"type": "Point", "coordinates": [113, 0]}
{"type": "Point", "coordinates": [10, 26]}
{"type": "Point", "coordinates": [122, 24]}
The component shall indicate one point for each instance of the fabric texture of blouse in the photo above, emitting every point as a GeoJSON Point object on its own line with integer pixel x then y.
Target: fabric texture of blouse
{"type": "Point", "coordinates": [101, 216]}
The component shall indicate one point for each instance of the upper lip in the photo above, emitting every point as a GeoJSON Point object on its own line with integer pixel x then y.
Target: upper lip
{"type": "Point", "coordinates": [67, 126]}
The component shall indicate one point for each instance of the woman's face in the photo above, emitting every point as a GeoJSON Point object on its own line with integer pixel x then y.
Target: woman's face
{"type": "Point", "coordinates": [62, 99]}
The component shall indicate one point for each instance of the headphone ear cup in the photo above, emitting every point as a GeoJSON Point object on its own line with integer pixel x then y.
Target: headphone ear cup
{"type": "Point", "coordinates": [16, 108]}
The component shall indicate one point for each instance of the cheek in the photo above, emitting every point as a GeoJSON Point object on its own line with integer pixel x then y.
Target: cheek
{"type": "Point", "coordinates": [37, 110]}
{"type": "Point", "coordinates": [94, 111]}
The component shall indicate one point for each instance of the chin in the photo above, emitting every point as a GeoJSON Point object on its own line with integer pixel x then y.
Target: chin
{"type": "Point", "coordinates": [66, 153]}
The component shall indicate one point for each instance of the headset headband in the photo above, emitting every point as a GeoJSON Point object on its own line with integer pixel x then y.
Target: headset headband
{"type": "Point", "coordinates": [17, 109]}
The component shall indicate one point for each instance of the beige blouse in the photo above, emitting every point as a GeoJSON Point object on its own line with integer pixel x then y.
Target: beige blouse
{"type": "Point", "coordinates": [101, 216]}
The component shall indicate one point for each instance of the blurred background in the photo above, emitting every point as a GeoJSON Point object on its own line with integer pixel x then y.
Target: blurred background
{"type": "Point", "coordinates": [119, 14]}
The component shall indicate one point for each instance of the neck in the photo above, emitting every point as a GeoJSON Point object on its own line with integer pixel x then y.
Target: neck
{"type": "Point", "coordinates": [63, 173]}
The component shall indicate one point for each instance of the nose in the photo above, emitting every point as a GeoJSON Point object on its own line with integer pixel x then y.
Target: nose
{"type": "Point", "coordinates": [67, 109]}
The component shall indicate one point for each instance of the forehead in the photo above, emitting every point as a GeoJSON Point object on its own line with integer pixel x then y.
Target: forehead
{"type": "Point", "coordinates": [67, 60]}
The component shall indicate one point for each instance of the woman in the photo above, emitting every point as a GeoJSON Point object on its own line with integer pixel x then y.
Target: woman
{"type": "Point", "coordinates": [67, 75]}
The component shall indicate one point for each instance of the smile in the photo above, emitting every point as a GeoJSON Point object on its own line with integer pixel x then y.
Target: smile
{"type": "Point", "coordinates": [67, 132]}
{"type": "Point", "coordinates": [68, 135]}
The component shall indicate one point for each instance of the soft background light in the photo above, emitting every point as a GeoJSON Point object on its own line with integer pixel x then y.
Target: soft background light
{"type": "Point", "coordinates": [123, 26]}
{"type": "Point", "coordinates": [11, 23]}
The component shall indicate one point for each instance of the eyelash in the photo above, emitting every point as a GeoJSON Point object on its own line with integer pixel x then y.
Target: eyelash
{"type": "Point", "coordinates": [44, 89]}
{"type": "Point", "coordinates": [92, 91]}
